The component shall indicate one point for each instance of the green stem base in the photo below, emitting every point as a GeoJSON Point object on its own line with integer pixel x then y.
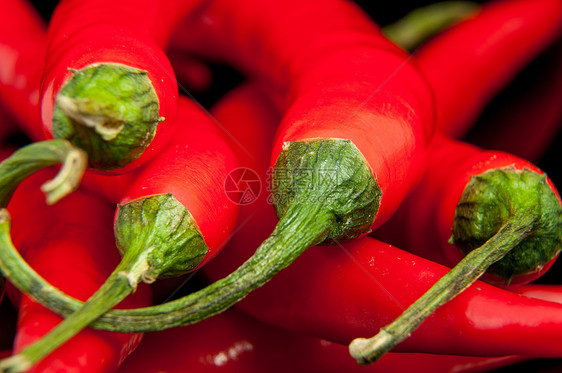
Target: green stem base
{"type": "Point", "coordinates": [110, 110]}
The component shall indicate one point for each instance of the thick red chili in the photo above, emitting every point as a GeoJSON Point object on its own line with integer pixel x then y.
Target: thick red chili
{"type": "Point", "coordinates": [434, 214]}
{"type": "Point", "coordinates": [174, 217]}
{"type": "Point", "coordinates": [107, 85]}
{"type": "Point", "coordinates": [22, 48]}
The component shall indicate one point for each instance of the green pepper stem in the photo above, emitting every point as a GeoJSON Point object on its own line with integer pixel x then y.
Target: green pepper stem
{"type": "Point", "coordinates": [312, 208]}
{"type": "Point", "coordinates": [422, 23]}
{"type": "Point", "coordinates": [122, 282]}
{"type": "Point", "coordinates": [110, 110]}
{"type": "Point", "coordinates": [466, 272]}
{"type": "Point", "coordinates": [33, 157]}
{"type": "Point", "coordinates": [301, 227]}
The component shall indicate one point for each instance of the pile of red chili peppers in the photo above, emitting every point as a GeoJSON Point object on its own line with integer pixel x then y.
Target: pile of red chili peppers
{"type": "Point", "coordinates": [220, 185]}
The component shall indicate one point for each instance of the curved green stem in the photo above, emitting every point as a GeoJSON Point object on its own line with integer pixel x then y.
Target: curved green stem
{"type": "Point", "coordinates": [31, 158]}
{"type": "Point", "coordinates": [314, 207]}
{"type": "Point", "coordinates": [301, 228]}
{"type": "Point", "coordinates": [122, 282]}
{"type": "Point", "coordinates": [516, 229]}
{"type": "Point", "coordinates": [422, 23]}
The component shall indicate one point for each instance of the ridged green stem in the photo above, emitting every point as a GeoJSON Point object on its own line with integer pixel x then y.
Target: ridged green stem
{"type": "Point", "coordinates": [302, 228]}
{"type": "Point", "coordinates": [36, 156]}
{"type": "Point", "coordinates": [367, 351]}
{"type": "Point", "coordinates": [328, 208]}
{"type": "Point", "coordinates": [122, 282]}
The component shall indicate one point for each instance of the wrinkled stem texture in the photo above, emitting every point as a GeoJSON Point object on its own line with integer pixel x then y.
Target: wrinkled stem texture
{"type": "Point", "coordinates": [516, 229]}
{"type": "Point", "coordinates": [31, 158]}
{"type": "Point", "coordinates": [122, 282]}
{"type": "Point", "coordinates": [301, 227]}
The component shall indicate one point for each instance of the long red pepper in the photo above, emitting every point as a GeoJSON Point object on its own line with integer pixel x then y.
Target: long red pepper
{"type": "Point", "coordinates": [339, 297]}
{"type": "Point", "coordinates": [174, 218]}
{"type": "Point", "coordinates": [340, 292]}
{"type": "Point", "coordinates": [22, 48]}
{"type": "Point", "coordinates": [235, 342]}
{"type": "Point", "coordinates": [469, 63]}
{"type": "Point", "coordinates": [337, 97]}
{"type": "Point", "coordinates": [344, 179]}
{"type": "Point", "coordinates": [431, 213]}
{"type": "Point", "coordinates": [107, 85]}
{"type": "Point", "coordinates": [72, 245]}
{"type": "Point", "coordinates": [505, 217]}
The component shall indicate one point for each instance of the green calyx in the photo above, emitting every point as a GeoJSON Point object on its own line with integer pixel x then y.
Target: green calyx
{"type": "Point", "coordinates": [163, 228]}
{"type": "Point", "coordinates": [331, 173]}
{"type": "Point", "coordinates": [109, 110]}
{"type": "Point", "coordinates": [490, 199]}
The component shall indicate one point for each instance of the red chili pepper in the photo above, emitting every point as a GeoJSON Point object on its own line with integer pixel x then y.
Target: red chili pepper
{"type": "Point", "coordinates": [336, 97]}
{"type": "Point", "coordinates": [235, 342]}
{"type": "Point", "coordinates": [432, 212]}
{"type": "Point", "coordinates": [70, 240]}
{"type": "Point", "coordinates": [548, 292]}
{"type": "Point", "coordinates": [173, 219]}
{"type": "Point", "coordinates": [505, 218]}
{"type": "Point", "coordinates": [534, 99]}
{"type": "Point", "coordinates": [338, 293]}
{"type": "Point", "coordinates": [338, 300]}
{"type": "Point", "coordinates": [469, 63]}
{"type": "Point", "coordinates": [22, 47]}
{"type": "Point", "coordinates": [107, 84]}
{"type": "Point", "coordinates": [353, 98]}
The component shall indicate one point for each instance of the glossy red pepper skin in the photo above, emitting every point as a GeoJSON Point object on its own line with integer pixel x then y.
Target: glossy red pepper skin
{"type": "Point", "coordinates": [329, 85]}
{"type": "Point", "coordinates": [469, 63]}
{"type": "Point", "coordinates": [341, 292]}
{"type": "Point", "coordinates": [71, 244]}
{"type": "Point", "coordinates": [235, 342]}
{"type": "Point", "coordinates": [22, 48]}
{"type": "Point", "coordinates": [193, 168]}
{"type": "Point", "coordinates": [134, 34]}
{"type": "Point", "coordinates": [428, 213]}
